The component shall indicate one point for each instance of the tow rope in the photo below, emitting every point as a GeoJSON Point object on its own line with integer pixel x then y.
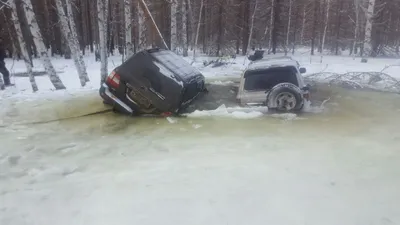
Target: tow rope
{"type": "Point", "coordinates": [59, 119]}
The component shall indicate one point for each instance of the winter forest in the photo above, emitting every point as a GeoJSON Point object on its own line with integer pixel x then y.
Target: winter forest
{"type": "Point", "coordinates": [224, 27]}
{"type": "Point", "coordinates": [72, 28]}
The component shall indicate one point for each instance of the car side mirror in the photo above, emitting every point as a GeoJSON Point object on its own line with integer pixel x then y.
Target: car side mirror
{"type": "Point", "coordinates": [303, 70]}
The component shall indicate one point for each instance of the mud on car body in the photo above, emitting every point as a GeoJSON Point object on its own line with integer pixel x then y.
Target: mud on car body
{"type": "Point", "coordinates": [153, 81]}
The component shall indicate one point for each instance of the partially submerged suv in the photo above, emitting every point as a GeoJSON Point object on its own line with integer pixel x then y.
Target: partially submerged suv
{"type": "Point", "coordinates": [276, 83]}
{"type": "Point", "coordinates": [153, 81]}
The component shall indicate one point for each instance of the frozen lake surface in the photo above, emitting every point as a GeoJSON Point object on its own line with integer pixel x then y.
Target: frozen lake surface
{"type": "Point", "coordinates": [339, 164]}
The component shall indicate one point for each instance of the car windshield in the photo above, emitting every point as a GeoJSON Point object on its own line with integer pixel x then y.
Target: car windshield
{"type": "Point", "coordinates": [260, 80]}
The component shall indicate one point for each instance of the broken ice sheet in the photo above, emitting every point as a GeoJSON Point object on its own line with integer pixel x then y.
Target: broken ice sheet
{"type": "Point", "coordinates": [172, 120]}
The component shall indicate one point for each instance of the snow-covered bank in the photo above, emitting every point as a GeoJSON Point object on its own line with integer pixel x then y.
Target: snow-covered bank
{"type": "Point", "coordinates": [69, 76]}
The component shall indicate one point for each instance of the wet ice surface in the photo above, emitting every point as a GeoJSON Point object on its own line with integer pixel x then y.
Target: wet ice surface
{"type": "Point", "coordinates": [339, 164]}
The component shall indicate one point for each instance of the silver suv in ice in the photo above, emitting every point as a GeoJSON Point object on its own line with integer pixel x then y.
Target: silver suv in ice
{"type": "Point", "coordinates": [276, 83]}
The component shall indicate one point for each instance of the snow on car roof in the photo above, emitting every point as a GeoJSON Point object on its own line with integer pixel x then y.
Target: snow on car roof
{"type": "Point", "coordinates": [272, 63]}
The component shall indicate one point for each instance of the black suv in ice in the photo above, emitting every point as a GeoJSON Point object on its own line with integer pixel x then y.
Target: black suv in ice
{"type": "Point", "coordinates": [153, 81]}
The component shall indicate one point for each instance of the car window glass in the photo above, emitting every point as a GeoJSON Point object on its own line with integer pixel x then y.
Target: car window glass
{"type": "Point", "coordinates": [266, 79]}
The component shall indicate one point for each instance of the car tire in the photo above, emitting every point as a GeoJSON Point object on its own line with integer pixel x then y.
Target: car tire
{"type": "Point", "coordinates": [285, 97]}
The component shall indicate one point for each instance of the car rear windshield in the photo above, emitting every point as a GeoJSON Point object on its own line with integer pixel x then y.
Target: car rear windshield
{"type": "Point", "coordinates": [176, 64]}
{"type": "Point", "coordinates": [261, 80]}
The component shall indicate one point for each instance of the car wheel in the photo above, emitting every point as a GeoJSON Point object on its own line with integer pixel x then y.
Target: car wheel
{"type": "Point", "coordinates": [285, 97]}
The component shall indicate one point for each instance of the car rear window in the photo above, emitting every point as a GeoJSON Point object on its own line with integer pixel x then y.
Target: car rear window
{"type": "Point", "coordinates": [261, 80]}
{"type": "Point", "coordinates": [176, 64]}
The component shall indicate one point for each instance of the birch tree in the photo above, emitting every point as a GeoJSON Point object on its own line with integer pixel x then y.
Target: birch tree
{"type": "Point", "coordinates": [368, 28]}
{"type": "Point", "coordinates": [288, 26]}
{"type": "Point", "coordinates": [102, 13]}
{"type": "Point", "coordinates": [69, 29]}
{"type": "Point", "coordinates": [328, 3]}
{"type": "Point", "coordinates": [83, 75]}
{"type": "Point", "coordinates": [184, 29]}
{"type": "Point", "coordinates": [198, 30]}
{"type": "Point", "coordinates": [192, 24]}
{"type": "Point", "coordinates": [271, 26]}
{"type": "Point", "coordinates": [303, 24]}
{"type": "Point", "coordinates": [174, 38]}
{"type": "Point", "coordinates": [252, 26]}
{"type": "Point", "coordinates": [22, 44]}
{"type": "Point", "coordinates": [356, 26]}
{"type": "Point", "coordinates": [128, 28]}
{"type": "Point", "coordinates": [276, 24]}
{"type": "Point", "coordinates": [41, 47]}
{"type": "Point", "coordinates": [2, 87]}
{"type": "Point", "coordinates": [148, 14]}
{"type": "Point", "coordinates": [315, 24]}
{"type": "Point", "coordinates": [142, 28]}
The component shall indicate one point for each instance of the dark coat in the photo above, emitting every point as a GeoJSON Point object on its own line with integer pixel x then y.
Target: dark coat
{"type": "Point", "coordinates": [3, 54]}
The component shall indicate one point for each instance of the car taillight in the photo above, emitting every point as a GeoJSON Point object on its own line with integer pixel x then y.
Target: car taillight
{"type": "Point", "coordinates": [113, 79]}
{"type": "Point", "coordinates": [166, 114]}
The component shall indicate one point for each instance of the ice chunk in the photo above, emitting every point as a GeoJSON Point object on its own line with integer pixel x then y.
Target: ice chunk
{"type": "Point", "coordinates": [286, 116]}
{"type": "Point", "coordinates": [171, 120]}
{"type": "Point", "coordinates": [223, 111]}
{"type": "Point", "coordinates": [197, 126]}
{"type": "Point", "coordinates": [222, 83]}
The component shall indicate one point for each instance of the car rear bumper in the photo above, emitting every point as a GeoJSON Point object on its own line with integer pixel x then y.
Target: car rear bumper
{"type": "Point", "coordinates": [111, 99]}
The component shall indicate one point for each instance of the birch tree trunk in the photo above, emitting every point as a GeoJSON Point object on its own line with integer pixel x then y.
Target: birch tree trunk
{"type": "Point", "coordinates": [129, 48]}
{"type": "Point", "coordinates": [220, 30]}
{"type": "Point", "coordinates": [22, 44]}
{"type": "Point", "coordinates": [288, 27]}
{"type": "Point", "coordinates": [198, 30]}
{"type": "Point", "coordinates": [83, 75]}
{"type": "Point", "coordinates": [315, 24]}
{"type": "Point", "coordinates": [102, 20]}
{"type": "Point", "coordinates": [184, 29]}
{"type": "Point", "coordinates": [142, 28]}
{"type": "Point", "coordinates": [147, 13]}
{"type": "Point", "coordinates": [68, 30]}
{"type": "Point", "coordinates": [368, 28]}
{"type": "Point", "coordinates": [2, 87]}
{"type": "Point", "coordinates": [276, 25]}
{"type": "Point", "coordinates": [41, 48]}
{"type": "Point", "coordinates": [271, 26]}
{"type": "Point", "coordinates": [328, 3]}
{"type": "Point", "coordinates": [252, 26]}
{"type": "Point", "coordinates": [192, 25]}
{"type": "Point", "coordinates": [357, 26]}
{"type": "Point", "coordinates": [303, 25]}
{"type": "Point", "coordinates": [398, 36]}
{"type": "Point", "coordinates": [245, 25]}
{"type": "Point", "coordinates": [174, 38]}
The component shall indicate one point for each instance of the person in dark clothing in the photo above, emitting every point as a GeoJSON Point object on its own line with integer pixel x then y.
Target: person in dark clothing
{"type": "Point", "coordinates": [3, 69]}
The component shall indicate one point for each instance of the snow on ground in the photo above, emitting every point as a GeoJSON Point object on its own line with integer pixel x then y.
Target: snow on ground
{"type": "Point", "coordinates": [68, 74]}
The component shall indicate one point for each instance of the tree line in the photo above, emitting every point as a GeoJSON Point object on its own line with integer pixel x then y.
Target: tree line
{"type": "Point", "coordinates": [224, 26]}
{"type": "Point", "coordinates": [71, 28]}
